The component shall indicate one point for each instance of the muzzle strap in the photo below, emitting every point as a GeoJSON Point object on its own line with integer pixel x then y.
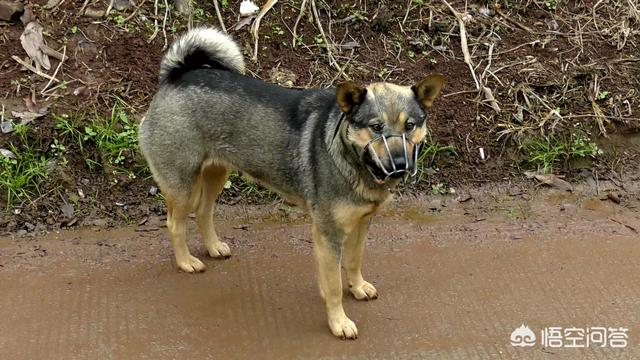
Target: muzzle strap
{"type": "Point", "coordinates": [395, 170]}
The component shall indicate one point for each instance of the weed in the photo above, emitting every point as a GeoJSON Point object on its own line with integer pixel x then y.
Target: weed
{"type": "Point", "coordinates": [602, 95]}
{"type": "Point", "coordinates": [438, 189]}
{"type": "Point", "coordinates": [550, 5]}
{"type": "Point", "coordinates": [547, 152]}
{"type": "Point", "coordinates": [277, 30]}
{"type": "Point", "coordinates": [431, 149]}
{"type": "Point", "coordinates": [115, 137]}
{"type": "Point", "coordinates": [21, 176]}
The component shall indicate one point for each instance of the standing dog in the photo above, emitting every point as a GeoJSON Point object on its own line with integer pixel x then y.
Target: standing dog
{"type": "Point", "coordinates": [335, 152]}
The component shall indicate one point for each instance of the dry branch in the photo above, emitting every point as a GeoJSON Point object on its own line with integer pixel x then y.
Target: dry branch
{"type": "Point", "coordinates": [256, 25]}
{"type": "Point", "coordinates": [33, 69]}
{"type": "Point", "coordinates": [219, 15]}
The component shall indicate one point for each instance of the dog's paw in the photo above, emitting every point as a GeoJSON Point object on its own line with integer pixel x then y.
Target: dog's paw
{"type": "Point", "coordinates": [344, 328]}
{"type": "Point", "coordinates": [364, 291]}
{"type": "Point", "coordinates": [191, 264]}
{"type": "Point", "coordinates": [219, 250]}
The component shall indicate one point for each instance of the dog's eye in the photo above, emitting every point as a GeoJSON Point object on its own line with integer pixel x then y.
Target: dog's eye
{"type": "Point", "coordinates": [376, 127]}
{"type": "Point", "coordinates": [410, 125]}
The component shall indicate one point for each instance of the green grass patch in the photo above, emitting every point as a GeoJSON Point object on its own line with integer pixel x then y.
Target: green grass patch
{"type": "Point", "coordinates": [547, 153]}
{"type": "Point", "coordinates": [428, 154]}
{"type": "Point", "coordinates": [22, 175]}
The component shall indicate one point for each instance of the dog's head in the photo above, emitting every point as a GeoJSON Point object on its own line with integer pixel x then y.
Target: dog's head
{"type": "Point", "coordinates": [387, 123]}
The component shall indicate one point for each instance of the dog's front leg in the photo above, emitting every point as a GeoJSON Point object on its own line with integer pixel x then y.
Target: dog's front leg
{"type": "Point", "coordinates": [327, 245]}
{"type": "Point", "coordinates": [353, 250]}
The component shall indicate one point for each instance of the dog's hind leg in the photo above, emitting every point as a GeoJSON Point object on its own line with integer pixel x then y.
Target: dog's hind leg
{"type": "Point", "coordinates": [213, 179]}
{"type": "Point", "coordinates": [178, 208]}
{"type": "Point", "coordinates": [352, 260]}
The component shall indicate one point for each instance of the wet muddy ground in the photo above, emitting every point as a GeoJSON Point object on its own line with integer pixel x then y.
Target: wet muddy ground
{"type": "Point", "coordinates": [455, 279]}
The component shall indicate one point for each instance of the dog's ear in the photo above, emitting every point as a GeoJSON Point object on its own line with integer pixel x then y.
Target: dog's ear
{"type": "Point", "coordinates": [428, 89]}
{"type": "Point", "coordinates": [349, 95]}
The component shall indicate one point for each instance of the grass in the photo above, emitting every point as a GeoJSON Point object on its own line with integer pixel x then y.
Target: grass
{"type": "Point", "coordinates": [22, 174]}
{"type": "Point", "coordinates": [430, 150]}
{"type": "Point", "coordinates": [114, 137]}
{"type": "Point", "coordinates": [547, 153]}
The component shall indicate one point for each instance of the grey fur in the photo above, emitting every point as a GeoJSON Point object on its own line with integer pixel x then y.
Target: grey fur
{"type": "Point", "coordinates": [219, 47]}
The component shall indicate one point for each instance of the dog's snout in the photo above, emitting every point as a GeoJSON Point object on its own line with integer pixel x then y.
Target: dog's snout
{"type": "Point", "coordinates": [400, 161]}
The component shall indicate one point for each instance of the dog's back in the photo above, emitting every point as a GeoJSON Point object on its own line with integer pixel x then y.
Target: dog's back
{"type": "Point", "coordinates": [207, 111]}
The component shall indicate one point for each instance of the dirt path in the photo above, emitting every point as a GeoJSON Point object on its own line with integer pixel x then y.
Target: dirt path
{"type": "Point", "coordinates": [453, 284]}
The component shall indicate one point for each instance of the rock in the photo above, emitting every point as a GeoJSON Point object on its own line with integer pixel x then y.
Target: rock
{"type": "Point", "coordinates": [29, 226]}
{"type": "Point", "coordinates": [121, 5]}
{"type": "Point", "coordinates": [6, 127]}
{"type": "Point", "coordinates": [41, 228]}
{"type": "Point", "coordinates": [94, 13]}
{"type": "Point", "coordinates": [434, 204]}
{"type": "Point", "coordinates": [100, 222]}
{"type": "Point", "coordinates": [11, 10]}
{"type": "Point", "coordinates": [21, 232]}
{"type": "Point", "coordinates": [614, 196]}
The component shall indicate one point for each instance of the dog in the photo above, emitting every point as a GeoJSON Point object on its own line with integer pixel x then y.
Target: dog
{"type": "Point", "coordinates": [337, 153]}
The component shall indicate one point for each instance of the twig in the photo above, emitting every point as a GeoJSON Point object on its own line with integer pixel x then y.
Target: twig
{"type": "Point", "coordinates": [625, 225]}
{"type": "Point", "coordinates": [54, 54]}
{"type": "Point", "coordinates": [332, 60]}
{"type": "Point", "coordinates": [34, 70]}
{"type": "Point", "coordinates": [135, 11]}
{"type": "Point", "coordinates": [523, 27]}
{"type": "Point", "coordinates": [463, 42]}
{"type": "Point", "coordinates": [106, 13]}
{"type": "Point", "coordinates": [406, 15]}
{"type": "Point", "coordinates": [64, 52]}
{"type": "Point", "coordinates": [155, 23]}
{"type": "Point", "coordinates": [256, 25]}
{"type": "Point", "coordinates": [295, 25]}
{"type": "Point", "coordinates": [219, 15]}
{"type": "Point", "coordinates": [83, 7]}
{"type": "Point", "coordinates": [164, 24]}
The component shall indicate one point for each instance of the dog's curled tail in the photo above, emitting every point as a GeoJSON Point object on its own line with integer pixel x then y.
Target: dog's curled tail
{"type": "Point", "coordinates": [200, 47]}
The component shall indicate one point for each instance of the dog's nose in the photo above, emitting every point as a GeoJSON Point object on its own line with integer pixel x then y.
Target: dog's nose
{"type": "Point", "coordinates": [400, 161]}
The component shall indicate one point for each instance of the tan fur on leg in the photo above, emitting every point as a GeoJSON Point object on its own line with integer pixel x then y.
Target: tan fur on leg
{"type": "Point", "coordinates": [177, 212]}
{"type": "Point", "coordinates": [213, 178]}
{"type": "Point", "coordinates": [352, 260]}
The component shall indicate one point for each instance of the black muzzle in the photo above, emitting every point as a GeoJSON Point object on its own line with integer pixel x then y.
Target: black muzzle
{"type": "Point", "coordinates": [400, 164]}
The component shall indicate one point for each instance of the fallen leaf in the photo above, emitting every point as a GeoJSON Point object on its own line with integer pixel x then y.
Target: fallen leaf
{"type": "Point", "coordinates": [245, 21]}
{"type": "Point", "coordinates": [7, 153]}
{"type": "Point", "coordinates": [554, 181]}
{"type": "Point", "coordinates": [27, 115]}
{"type": "Point", "coordinates": [32, 43]}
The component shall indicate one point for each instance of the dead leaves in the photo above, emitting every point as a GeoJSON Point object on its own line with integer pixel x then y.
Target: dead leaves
{"type": "Point", "coordinates": [551, 180]}
{"type": "Point", "coordinates": [33, 44]}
